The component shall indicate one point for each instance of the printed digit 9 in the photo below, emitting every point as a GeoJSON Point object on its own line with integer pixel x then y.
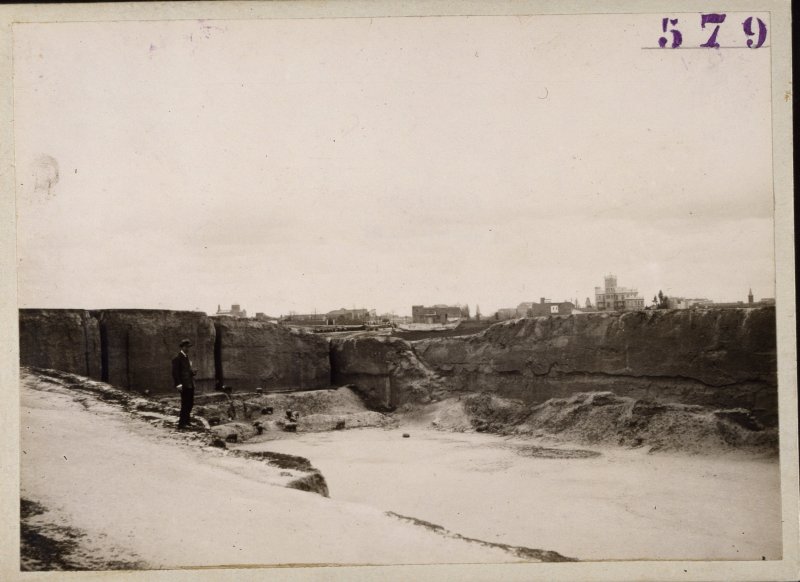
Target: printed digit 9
{"type": "Point", "coordinates": [748, 30]}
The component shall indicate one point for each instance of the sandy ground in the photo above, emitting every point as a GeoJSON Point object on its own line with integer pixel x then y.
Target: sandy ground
{"type": "Point", "coordinates": [623, 504]}
{"type": "Point", "coordinates": [132, 493]}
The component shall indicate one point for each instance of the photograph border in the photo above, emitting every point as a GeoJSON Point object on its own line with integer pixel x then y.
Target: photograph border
{"type": "Point", "coordinates": [782, 100]}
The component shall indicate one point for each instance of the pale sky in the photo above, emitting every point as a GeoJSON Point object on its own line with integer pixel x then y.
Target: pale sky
{"type": "Point", "coordinates": [315, 164]}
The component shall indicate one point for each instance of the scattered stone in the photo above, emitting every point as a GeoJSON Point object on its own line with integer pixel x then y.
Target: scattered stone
{"type": "Point", "coordinates": [217, 442]}
{"type": "Point", "coordinates": [406, 435]}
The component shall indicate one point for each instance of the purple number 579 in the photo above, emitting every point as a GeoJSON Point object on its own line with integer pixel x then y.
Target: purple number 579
{"type": "Point", "coordinates": [751, 26]}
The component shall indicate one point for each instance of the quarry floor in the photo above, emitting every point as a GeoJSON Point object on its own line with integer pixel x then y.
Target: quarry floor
{"type": "Point", "coordinates": [115, 492]}
{"type": "Point", "coordinates": [624, 504]}
{"type": "Point", "coordinates": [127, 494]}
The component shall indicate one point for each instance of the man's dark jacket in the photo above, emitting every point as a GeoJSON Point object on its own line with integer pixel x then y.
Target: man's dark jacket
{"type": "Point", "coordinates": [182, 371]}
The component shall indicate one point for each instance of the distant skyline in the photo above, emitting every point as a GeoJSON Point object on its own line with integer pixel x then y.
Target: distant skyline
{"type": "Point", "coordinates": [294, 165]}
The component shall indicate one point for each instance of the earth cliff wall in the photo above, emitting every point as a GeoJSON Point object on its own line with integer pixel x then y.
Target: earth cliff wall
{"type": "Point", "coordinates": [254, 354]}
{"type": "Point", "coordinates": [716, 357]}
{"type": "Point", "coordinates": [139, 344]}
{"type": "Point", "coordinates": [384, 370]}
{"type": "Point", "coordinates": [62, 339]}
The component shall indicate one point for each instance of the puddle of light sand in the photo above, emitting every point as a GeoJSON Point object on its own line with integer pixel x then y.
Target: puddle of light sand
{"type": "Point", "coordinates": [622, 505]}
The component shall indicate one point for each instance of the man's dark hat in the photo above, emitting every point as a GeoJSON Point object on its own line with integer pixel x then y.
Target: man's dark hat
{"type": "Point", "coordinates": [185, 343]}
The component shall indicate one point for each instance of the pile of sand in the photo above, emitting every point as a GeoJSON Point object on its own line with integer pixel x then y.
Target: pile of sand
{"type": "Point", "coordinates": [605, 418]}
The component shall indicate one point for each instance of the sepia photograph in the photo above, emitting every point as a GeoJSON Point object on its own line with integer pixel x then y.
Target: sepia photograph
{"type": "Point", "coordinates": [415, 290]}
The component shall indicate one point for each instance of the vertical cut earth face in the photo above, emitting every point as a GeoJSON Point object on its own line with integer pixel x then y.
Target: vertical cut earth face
{"type": "Point", "coordinates": [717, 357]}
{"type": "Point", "coordinates": [139, 345]}
{"type": "Point", "coordinates": [385, 370]}
{"type": "Point", "coordinates": [62, 339]}
{"type": "Point", "coordinates": [255, 354]}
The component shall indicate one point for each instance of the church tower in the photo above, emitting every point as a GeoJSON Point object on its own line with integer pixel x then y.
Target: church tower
{"type": "Point", "coordinates": [750, 297]}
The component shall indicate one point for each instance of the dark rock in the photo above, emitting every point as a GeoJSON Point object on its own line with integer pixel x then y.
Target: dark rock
{"type": "Point", "coordinates": [261, 354]}
{"type": "Point", "coordinates": [406, 435]}
{"type": "Point", "coordinates": [724, 358]}
{"type": "Point", "coordinates": [232, 438]}
{"type": "Point", "coordinates": [61, 339]}
{"type": "Point", "coordinates": [385, 371]}
{"type": "Point", "coordinates": [314, 482]}
{"type": "Point", "coordinates": [141, 344]}
{"type": "Point", "coordinates": [217, 442]}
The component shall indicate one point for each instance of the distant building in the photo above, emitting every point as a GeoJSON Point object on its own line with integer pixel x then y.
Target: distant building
{"type": "Point", "coordinates": [264, 317]}
{"type": "Point", "coordinates": [547, 307]}
{"type": "Point", "coordinates": [544, 307]}
{"type": "Point", "coordinates": [306, 318]}
{"type": "Point", "coordinates": [764, 301]}
{"type": "Point", "coordinates": [614, 298]}
{"type": "Point", "coordinates": [336, 317]}
{"type": "Point", "coordinates": [684, 303]}
{"type": "Point", "coordinates": [234, 311]}
{"type": "Point", "coordinates": [350, 316]}
{"type": "Point", "coordinates": [438, 313]}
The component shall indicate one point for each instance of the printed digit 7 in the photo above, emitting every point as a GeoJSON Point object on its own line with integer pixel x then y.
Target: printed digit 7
{"type": "Point", "coordinates": [677, 37]}
{"type": "Point", "coordinates": [748, 30]}
{"type": "Point", "coordinates": [712, 19]}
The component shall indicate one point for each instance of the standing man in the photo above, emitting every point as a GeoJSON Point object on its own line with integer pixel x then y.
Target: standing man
{"type": "Point", "coordinates": [183, 377]}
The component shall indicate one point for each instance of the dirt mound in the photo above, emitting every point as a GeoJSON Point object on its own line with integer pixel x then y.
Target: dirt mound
{"type": "Point", "coordinates": [491, 413]}
{"type": "Point", "coordinates": [482, 412]}
{"type": "Point", "coordinates": [447, 415]}
{"type": "Point", "coordinates": [220, 408]}
{"type": "Point", "coordinates": [607, 419]}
